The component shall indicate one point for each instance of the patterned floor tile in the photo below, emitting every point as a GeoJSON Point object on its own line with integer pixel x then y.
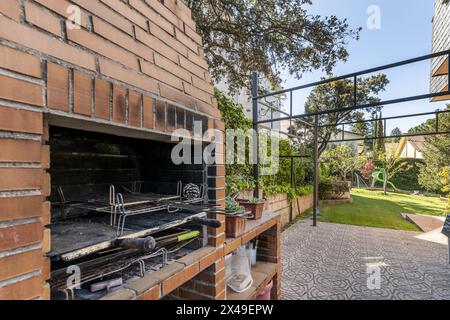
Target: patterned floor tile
{"type": "Point", "coordinates": [341, 262]}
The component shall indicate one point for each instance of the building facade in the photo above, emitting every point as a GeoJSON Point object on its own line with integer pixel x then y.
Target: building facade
{"type": "Point", "coordinates": [441, 42]}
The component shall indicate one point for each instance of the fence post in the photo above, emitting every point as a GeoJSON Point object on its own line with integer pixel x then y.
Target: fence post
{"type": "Point", "coordinates": [316, 170]}
{"type": "Point", "coordinates": [255, 132]}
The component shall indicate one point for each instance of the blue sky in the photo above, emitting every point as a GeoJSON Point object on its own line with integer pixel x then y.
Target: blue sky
{"type": "Point", "coordinates": [406, 32]}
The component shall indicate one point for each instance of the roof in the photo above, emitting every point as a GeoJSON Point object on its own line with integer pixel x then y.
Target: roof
{"type": "Point", "coordinates": [417, 142]}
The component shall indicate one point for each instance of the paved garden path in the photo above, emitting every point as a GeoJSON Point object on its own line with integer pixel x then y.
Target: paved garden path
{"type": "Point", "coordinates": [332, 262]}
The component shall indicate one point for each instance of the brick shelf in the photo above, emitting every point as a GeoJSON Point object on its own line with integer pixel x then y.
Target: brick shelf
{"type": "Point", "coordinates": [262, 274]}
{"type": "Point", "coordinates": [158, 284]}
{"type": "Point", "coordinates": [253, 229]}
{"type": "Point", "coordinates": [268, 265]}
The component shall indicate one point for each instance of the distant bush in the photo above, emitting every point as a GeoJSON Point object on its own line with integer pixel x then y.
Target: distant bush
{"type": "Point", "coordinates": [409, 179]}
{"type": "Point", "coordinates": [330, 189]}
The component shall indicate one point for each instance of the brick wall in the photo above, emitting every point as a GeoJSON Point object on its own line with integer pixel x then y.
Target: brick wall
{"type": "Point", "coordinates": [134, 67]}
{"type": "Point", "coordinates": [280, 203]}
{"type": "Point", "coordinates": [441, 41]}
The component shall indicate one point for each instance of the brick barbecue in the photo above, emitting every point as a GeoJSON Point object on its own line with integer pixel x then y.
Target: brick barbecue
{"type": "Point", "coordinates": [129, 74]}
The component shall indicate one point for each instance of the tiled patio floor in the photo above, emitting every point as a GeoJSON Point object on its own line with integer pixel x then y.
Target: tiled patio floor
{"type": "Point", "coordinates": [332, 262]}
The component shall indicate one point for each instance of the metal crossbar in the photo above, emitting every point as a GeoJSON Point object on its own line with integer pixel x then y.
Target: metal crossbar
{"type": "Point", "coordinates": [315, 126]}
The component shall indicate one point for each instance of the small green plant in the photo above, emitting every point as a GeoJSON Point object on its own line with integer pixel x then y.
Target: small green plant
{"type": "Point", "coordinates": [231, 205]}
{"type": "Point", "coordinates": [254, 200]}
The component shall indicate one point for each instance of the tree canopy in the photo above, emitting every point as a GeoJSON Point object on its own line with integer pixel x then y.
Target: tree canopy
{"type": "Point", "coordinates": [268, 36]}
{"type": "Point", "coordinates": [436, 154]}
{"type": "Point", "coordinates": [337, 95]}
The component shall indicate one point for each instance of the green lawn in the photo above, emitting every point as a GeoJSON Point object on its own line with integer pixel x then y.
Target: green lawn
{"type": "Point", "coordinates": [374, 209]}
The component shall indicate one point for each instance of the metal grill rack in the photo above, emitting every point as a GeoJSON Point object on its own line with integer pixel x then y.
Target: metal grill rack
{"type": "Point", "coordinates": [132, 202]}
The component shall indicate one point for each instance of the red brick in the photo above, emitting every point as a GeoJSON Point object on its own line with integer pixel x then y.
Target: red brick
{"type": "Point", "coordinates": [156, 44]}
{"type": "Point", "coordinates": [186, 41]}
{"type": "Point", "coordinates": [57, 87]}
{"type": "Point", "coordinates": [144, 9]}
{"type": "Point", "coordinates": [17, 120]}
{"type": "Point", "coordinates": [160, 115]}
{"type": "Point", "coordinates": [46, 213]}
{"type": "Point", "coordinates": [42, 19]}
{"type": "Point", "coordinates": [45, 157]}
{"type": "Point", "coordinates": [152, 294]}
{"type": "Point", "coordinates": [82, 93]}
{"type": "Point", "coordinates": [20, 235]}
{"type": "Point", "coordinates": [18, 264]}
{"type": "Point", "coordinates": [172, 67]}
{"type": "Point", "coordinates": [102, 99]}
{"type": "Point", "coordinates": [119, 104]}
{"type": "Point", "coordinates": [103, 47]}
{"type": "Point", "coordinates": [39, 41]}
{"type": "Point", "coordinates": [105, 13]}
{"type": "Point", "coordinates": [10, 8]}
{"type": "Point", "coordinates": [165, 12]}
{"type": "Point", "coordinates": [197, 93]}
{"type": "Point", "coordinates": [117, 72]}
{"type": "Point", "coordinates": [148, 112]}
{"type": "Point", "coordinates": [208, 260]}
{"type": "Point", "coordinates": [198, 59]}
{"type": "Point", "coordinates": [160, 74]}
{"type": "Point", "coordinates": [203, 85]}
{"type": "Point", "coordinates": [20, 62]}
{"type": "Point", "coordinates": [184, 12]}
{"type": "Point", "coordinates": [126, 11]}
{"type": "Point", "coordinates": [60, 7]}
{"type": "Point", "coordinates": [173, 282]}
{"type": "Point", "coordinates": [192, 67]}
{"type": "Point", "coordinates": [14, 150]}
{"type": "Point", "coordinates": [168, 39]}
{"type": "Point", "coordinates": [134, 109]}
{"type": "Point", "coordinates": [20, 207]}
{"type": "Point", "coordinates": [122, 39]}
{"type": "Point", "coordinates": [193, 35]}
{"type": "Point", "coordinates": [177, 96]}
{"type": "Point", "coordinates": [20, 91]}
{"type": "Point", "coordinates": [23, 290]}
{"type": "Point", "coordinates": [212, 290]}
{"type": "Point", "coordinates": [20, 179]}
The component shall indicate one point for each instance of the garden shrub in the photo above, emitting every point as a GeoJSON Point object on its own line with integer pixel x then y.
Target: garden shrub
{"type": "Point", "coordinates": [331, 188]}
{"type": "Point", "coordinates": [409, 179]}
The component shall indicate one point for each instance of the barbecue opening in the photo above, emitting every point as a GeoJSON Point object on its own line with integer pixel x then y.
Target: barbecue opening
{"type": "Point", "coordinates": [120, 210]}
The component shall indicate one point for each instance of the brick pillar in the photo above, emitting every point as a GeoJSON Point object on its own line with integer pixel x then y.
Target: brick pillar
{"type": "Point", "coordinates": [269, 250]}
{"type": "Point", "coordinates": [24, 184]}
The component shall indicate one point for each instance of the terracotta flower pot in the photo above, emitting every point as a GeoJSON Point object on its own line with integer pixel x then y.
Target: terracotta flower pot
{"type": "Point", "coordinates": [235, 226]}
{"type": "Point", "coordinates": [255, 208]}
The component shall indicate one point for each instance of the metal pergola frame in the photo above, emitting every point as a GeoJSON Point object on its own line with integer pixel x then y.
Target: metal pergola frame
{"type": "Point", "coordinates": [315, 125]}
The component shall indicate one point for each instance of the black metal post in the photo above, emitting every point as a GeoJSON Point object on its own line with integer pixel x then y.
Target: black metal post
{"type": "Point", "coordinates": [437, 122]}
{"type": "Point", "coordinates": [316, 170]}
{"type": "Point", "coordinates": [448, 73]}
{"type": "Point", "coordinates": [255, 133]}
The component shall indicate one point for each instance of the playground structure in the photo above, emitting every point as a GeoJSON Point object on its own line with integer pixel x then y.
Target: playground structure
{"type": "Point", "coordinates": [379, 175]}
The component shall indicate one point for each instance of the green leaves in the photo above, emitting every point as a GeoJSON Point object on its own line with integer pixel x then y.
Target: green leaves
{"type": "Point", "coordinates": [268, 36]}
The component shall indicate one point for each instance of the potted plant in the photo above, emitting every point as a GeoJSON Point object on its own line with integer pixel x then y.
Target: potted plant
{"type": "Point", "coordinates": [235, 219]}
{"type": "Point", "coordinates": [255, 206]}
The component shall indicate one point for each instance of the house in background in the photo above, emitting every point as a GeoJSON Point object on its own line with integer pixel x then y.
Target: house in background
{"type": "Point", "coordinates": [356, 143]}
{"type": "Point", "coordinates": [441, 42]}
{"type": "Point", "coordinates": [411, 147]}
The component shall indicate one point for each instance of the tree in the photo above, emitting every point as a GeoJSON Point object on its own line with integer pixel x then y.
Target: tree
{"type": "Point", "coordinates": [436, 154]}
{"type": "Point", "coordinates": [342, 160]}
{"type": "Point", "coordinates": [379, 147]}
{"type": "Point", "coordinates": [393, 165]}
{"type": "Point", "coordinates": [336, 95]}
{"type": "Point", "coordinates": [396, 132]}
{"type": "Point", "coordinates": [268, 36]}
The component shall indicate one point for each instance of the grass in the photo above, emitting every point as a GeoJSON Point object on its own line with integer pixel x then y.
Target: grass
{"type": "Point", "coordinates": [374, 209]}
